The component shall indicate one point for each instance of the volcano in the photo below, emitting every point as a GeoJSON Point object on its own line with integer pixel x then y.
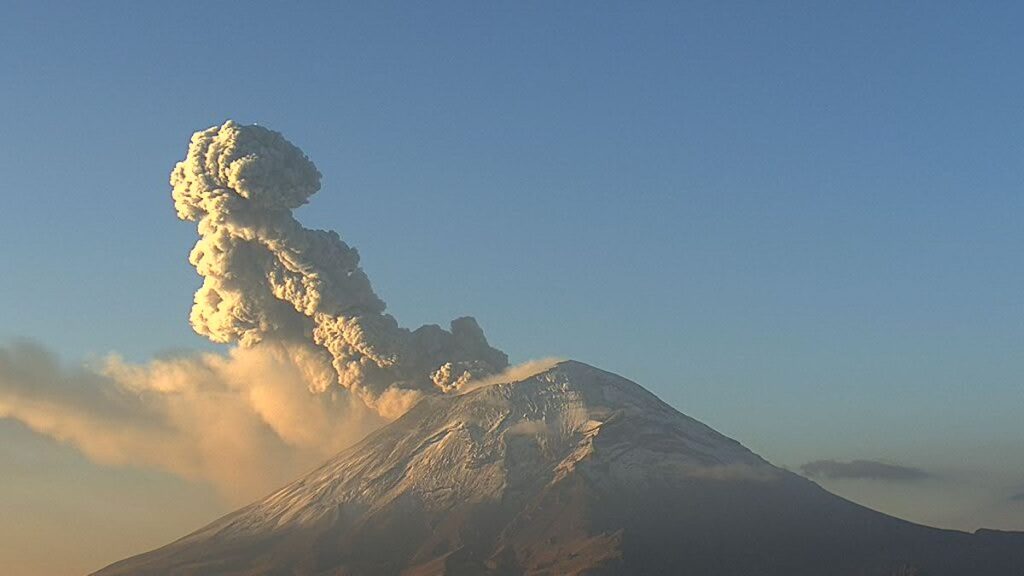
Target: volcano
{"type": "Point", "coordinates": [571, 471]}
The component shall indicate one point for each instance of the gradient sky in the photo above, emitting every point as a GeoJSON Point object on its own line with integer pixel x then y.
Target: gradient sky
{"type": "Point", "coordinates": [800, 223]}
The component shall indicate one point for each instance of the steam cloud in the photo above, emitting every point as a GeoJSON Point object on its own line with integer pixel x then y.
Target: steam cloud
{"type": "Point", "coordinates": [266, 278]}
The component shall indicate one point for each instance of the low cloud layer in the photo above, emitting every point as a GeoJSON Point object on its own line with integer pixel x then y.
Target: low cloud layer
{"type": "Point", "coordinates": [234, 421]}
{"type": "Point", "coordinates": [1019, 497]}
{"type": "Point", "coordinates": [244, 422]}
{"type": "Point", "coordinates": [862, 470]}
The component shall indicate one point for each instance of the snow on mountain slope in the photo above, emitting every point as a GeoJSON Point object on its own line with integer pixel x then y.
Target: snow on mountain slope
{"type": "Point", "coordinates": [573, 470]}
{"type": "Point", "coordinates": [462, 449]}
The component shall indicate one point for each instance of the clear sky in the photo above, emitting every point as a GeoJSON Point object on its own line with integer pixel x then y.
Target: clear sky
{"type": "Point", "coordinates": [800, 223]}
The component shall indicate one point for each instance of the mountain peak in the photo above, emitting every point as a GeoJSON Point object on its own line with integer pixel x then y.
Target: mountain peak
{"type": "Point", "coordinates": [482, 445]}
{"type": "Point", "coordinates": [570, 470]}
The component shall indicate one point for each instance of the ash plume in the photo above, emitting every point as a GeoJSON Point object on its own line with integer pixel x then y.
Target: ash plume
{"type": "Point", "coordinates": [266, 278]}
{"type": "Point", "coordinates": [302, 315]}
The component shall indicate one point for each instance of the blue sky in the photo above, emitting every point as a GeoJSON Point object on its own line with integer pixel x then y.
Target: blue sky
{"type": "Point", "coordinates": [798, 222]}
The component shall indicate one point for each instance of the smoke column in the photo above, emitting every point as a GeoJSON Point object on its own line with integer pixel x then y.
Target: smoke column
{"type": "Point", "coordinates": [302, 315]}
{"type": "Point", "coordinates": [268, 279]}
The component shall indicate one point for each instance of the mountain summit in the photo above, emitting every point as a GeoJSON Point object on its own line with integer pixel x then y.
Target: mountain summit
{"type": "Point", "coordinates": [571, 471]}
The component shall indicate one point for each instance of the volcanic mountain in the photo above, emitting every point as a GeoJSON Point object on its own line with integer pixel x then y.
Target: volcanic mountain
{"type": "Point", "coordinates": [571, 471]}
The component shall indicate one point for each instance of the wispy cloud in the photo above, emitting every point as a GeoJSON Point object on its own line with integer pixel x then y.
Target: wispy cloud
{"type": "Point", "coordinates": [513, 373]}
{"type": "Point", "coordinates": [863, 470]}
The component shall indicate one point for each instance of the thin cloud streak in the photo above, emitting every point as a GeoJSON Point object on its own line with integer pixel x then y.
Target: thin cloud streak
{"type": "Point", "coordinates": [862, 470]}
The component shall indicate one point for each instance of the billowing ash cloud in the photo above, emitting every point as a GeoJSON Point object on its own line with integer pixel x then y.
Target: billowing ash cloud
{"type": "Point", "coordinates": [303, 315]}
{"type": "Point", "coordinates": [862, 469]}
{"type": "Point", "coordinates": [267, 278]}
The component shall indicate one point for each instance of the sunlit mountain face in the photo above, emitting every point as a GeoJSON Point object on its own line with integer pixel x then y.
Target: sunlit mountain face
{"type": "Point", "coordinates": [570, 471]}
